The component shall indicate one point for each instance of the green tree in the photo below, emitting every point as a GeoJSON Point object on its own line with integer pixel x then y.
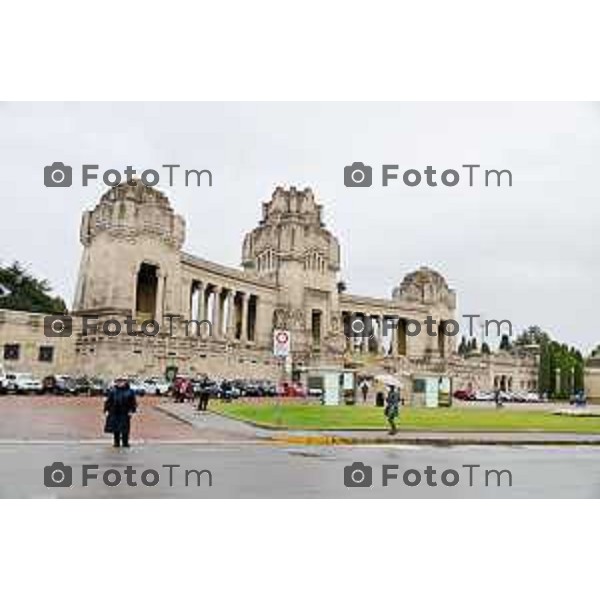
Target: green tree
{"type": "Point", "coordinates": [505, 343]}
{"type": "Point", "coordinates": [19, 290]}
{"type": "Point", "coordinates": [533, 335]}
{"type": "Point", "coordinates": [561, 369]}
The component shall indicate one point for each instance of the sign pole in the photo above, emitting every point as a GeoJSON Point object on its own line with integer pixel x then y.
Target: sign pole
{"type": "Point", "coordinates": [281, 351]}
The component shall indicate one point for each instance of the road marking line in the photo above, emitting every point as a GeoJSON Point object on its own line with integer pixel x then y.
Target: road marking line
{"type": "Point", "coordinates": [91, 442]}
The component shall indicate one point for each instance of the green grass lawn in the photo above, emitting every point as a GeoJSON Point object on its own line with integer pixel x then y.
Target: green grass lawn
{"type": "Point", "coordinates": [441, 419]}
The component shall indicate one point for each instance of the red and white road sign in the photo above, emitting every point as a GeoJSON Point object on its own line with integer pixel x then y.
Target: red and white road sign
{"type": "Point", "coordinates": [281, 343]}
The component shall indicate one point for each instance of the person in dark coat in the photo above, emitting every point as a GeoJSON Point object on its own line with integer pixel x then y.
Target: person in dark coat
{"type": "Point", "coordinates": [204, 396]}
{"type": "Point", "coordinates": [364, 388]}
{"type": "Point", "coordinates": [392, 403]}
{"type": "Point", "coordinates": [120, 404]}
{"type": "Point", "coordinates": [498, 398]}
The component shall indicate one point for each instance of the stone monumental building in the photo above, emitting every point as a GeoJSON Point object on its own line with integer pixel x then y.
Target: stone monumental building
{"type": "Point", "coordinates": [219, 320]}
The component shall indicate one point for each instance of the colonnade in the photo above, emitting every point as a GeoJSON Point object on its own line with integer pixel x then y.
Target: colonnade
{"type": "Point", "coordinates": [232, 314]}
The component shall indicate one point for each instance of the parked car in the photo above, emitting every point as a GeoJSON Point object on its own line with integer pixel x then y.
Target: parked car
{"type": "Point", "coordinates": [228, 391]}
{"type": "Point", "coordinates": [292, 390]}
{"type": "Point", "coordinates": [137, 387]}
{"type": "Point", "coordinates": [464, 395]}
{"type": "Point", "coordinates": [25, 383]}
{"type": "Point", "coordinates": [97, 386]}
{"type": "Point", "coordinates": [269, 388]}
{"type": "Point", "coordinates": [3, 382]}
{"type": "Point", "coordinates": [155, 386]}
{"type": "Point", "coordinates": [62, 385]}
{"type": "Point", "coordinates": [252, 388]}
{"type": "Point", "coordinates": [315, 391]}
{"type": "Point", "coordinates": [83, 385]}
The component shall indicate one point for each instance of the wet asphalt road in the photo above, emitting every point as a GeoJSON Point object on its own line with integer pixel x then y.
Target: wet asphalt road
{"type": "Point", "coordinates": [258, 470]}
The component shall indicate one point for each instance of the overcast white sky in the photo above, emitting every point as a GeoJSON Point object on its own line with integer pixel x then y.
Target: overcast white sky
{"type": "Point", "coordinates": [527, 253]}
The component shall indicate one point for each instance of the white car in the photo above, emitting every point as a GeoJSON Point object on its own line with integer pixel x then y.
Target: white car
{"type": "Point", "coordinates": [533, 397]}
{"type": "Point", "coordinates": [137, 387]}
{"type": "Point", "coordinates": [3, 380]}
{"type": "Point", "coordinates": [156, 387]}
{"type": "Point", "coordinates": [24, 383]}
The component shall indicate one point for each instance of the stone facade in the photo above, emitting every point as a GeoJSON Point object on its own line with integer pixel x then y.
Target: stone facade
{"type": "Point", "coordinates": [592, 377]}
{"type": "Point", "coordinates": [220, 320]}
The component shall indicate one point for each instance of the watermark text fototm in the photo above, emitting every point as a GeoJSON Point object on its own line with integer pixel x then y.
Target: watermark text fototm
{"type": "Point", "coordinates": [62, 326]}
{"type": "Point", "coordinates": [360, 475]}
{"type": "Point", "coordinates": [358, 174]}
{"type": "Point", "coordinates": [367, 326]}
{"type": "Point", "coordinates": [58, 475]}
{"type": "Point", "coordinates": [58, 174]}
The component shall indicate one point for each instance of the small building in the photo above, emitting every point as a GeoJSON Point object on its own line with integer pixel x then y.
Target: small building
{"type": "Point", "coordinates": [592, 376]}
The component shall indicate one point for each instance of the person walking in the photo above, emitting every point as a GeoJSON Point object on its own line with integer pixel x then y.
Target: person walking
{"type": "Point", "coordinates": [498, 397]}
{"type": "Point", "coordinates": [392, 403]}
{"type": "Point", "coordinates": [204, 396]}
{"type": "Point", "coordinates": [364, 387]}
{"type": "Point", "coordinates": [120, 404]}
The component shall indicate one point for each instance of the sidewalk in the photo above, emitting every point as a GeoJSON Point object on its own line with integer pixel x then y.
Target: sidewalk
{"type": "Point", "coordinates": [214, 426]}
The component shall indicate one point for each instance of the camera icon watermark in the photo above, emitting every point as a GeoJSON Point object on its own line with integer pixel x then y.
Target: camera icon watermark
{"type": "Point", "coordinates": [58, 175]}
{"type": "Point", "coordinates": [359, 328]}
{"type": "Point", "coordinates": [358, 475]}
{"type": "Point", "coordinates": [358, 175]}
{"type": "Point", "coordinates": [58, 326]}
{"type": "Point", "coordinates": [58, 475]}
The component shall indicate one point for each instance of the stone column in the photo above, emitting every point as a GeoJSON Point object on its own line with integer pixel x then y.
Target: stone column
{"type": "Point", "coordinates": [230, 333]}
{"type": "Point", "coordinates": [245, 302]}
{"type": "Point", "coordinates": [186, 298]}
{"type": "Point", "coordinates": [217, 329]}
{"type": "Point", "coordinates": [346, 322]}
{"type": "Point", "coordinates": [394, 346]}
{"type": "Point", "coordinates": [382, 329]}
{"type": "Point", "coordinates": [364, 346]}
{"type": "Point", "coordinates": [256, 311]}
{"type": "Point", "coordinates": [200, 307]}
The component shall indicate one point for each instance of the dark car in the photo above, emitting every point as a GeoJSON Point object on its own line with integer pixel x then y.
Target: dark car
{"type": "Point", "coordinates": [61, 385]}
{"type": "Point", "coordinates": [49, 384]}
{"type": "Point", "coordinates": [269, 389]}
{"type": "Point", "coordinates": [253, 389]}
{"type": "Point", "coordinates": [97, 386]}
{"type": "Point", "coordinates": [464, 395]}
{"type": "Point", "coordinates": [83, 385]}
{"type": "Point", "coordinates": [241, 385]}
{"type": "Point", "coordinates": [228, 391]}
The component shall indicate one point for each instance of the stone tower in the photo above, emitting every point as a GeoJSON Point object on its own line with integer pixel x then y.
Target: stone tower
{"type": "Point", "coordinates": [292, 248]}
{"type": "Point", "coordinates": [131, 247]}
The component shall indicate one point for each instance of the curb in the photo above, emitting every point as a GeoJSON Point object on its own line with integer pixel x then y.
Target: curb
{"type": "Point", "coordinates": [175, 416]}
{"type": "Point", "coordinates": [426, 441]}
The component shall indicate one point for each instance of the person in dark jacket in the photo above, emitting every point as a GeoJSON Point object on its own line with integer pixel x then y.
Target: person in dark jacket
{"type": "Point", "coordinates": [120, 404]}
{"type": "Point", "coordinates": [391, 408]}
{"type": "Point", "coordinates": [204, 396]}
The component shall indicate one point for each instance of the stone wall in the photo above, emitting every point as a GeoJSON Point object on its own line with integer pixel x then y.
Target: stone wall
{"type": "Point", "coordinates": [592, 379]}
{"type": "Point", "coordinates": [37, 353]}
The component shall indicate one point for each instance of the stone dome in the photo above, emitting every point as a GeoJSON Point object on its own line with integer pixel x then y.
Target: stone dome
{"type": "Point", "coordinates": [425, 285]}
